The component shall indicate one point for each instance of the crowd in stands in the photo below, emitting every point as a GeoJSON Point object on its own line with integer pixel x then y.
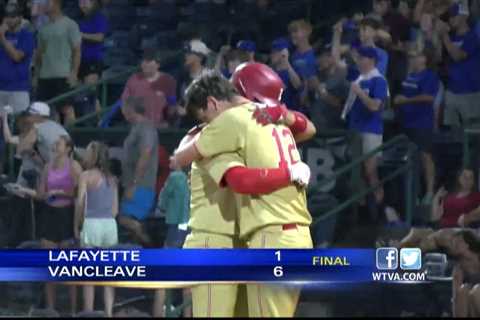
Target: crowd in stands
{"type": "Point", "coordinates": [396, 66]}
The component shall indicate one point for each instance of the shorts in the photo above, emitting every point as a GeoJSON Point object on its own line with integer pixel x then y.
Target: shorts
{"type": "Point", "coordinates": [99, 233]}
{"type": "Point", "coordinates": [56, 224]}
{"type": "Point", "coordinates": [422, 138]}
{"type": "Point", "coordinates": [371, 142]}
{"type": "Point", "coordinates": [90, 67]}
{"type": "Point", "coordinates": [461, 109]}
{"type": "Point", "coordinates": [52, 88]}
{"type": "Point", "coordinates": [141, 204]}
{"type": "Point", "coordinates": [18, 100]}
{"type": "Point", "coordinates": [175, 237]}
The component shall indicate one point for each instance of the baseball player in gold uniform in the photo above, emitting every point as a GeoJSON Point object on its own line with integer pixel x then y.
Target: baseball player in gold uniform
{"type": "Point", "coordinates": [233, 141]}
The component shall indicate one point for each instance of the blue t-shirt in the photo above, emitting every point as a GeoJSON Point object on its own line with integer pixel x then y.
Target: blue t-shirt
{"type": "Point", "coordinates": [360, 118]}
{"type": "Point", "coordinates": [305, 64]}
{"type": "Point", "coordinates": [16, 76]}
{"type": "Point", "coordinates": [291, 96]}
{"type": "Point", "coordinates": [464, 76]}
{"type": "Point", "coordinates": [96, 23]}
{"type": "Point", "coordinates": [419, 115]}
{"type": "Point", "coordinates": [477, 29]}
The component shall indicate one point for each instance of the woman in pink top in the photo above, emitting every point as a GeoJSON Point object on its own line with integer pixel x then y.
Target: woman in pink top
{"type": "Point", "coordinates": [58, 189]}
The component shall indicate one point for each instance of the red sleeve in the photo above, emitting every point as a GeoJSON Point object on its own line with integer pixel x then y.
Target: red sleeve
{"type": "Point", "coordinates": [300, 124]}
{"type": "Point", "coordinates": [256, 181]}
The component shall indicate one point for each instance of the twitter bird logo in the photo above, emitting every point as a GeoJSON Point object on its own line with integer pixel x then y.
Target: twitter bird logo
{"type": "Point", "coordinates": [410, 259]}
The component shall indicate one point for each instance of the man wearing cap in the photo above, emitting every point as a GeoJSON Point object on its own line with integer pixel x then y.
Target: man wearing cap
{"type": "Point", "coordinates": [156, 88]}
{"type": "Point", "coordinates": [248, 47]}
{"type": "Point", "coordinates": [196, 55]}
{"type": "Point", "coordinates": [463, 87]}
{"type": "Point", "coordinates": [45, 132]}
{"type": "Point", "coordinates": [16, 50]}
{"type": "Point", "coordinates": [363, 110]}
{"type": "Point", "coordinates": [280, 62]}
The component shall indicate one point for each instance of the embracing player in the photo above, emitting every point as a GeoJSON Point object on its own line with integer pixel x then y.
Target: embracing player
{"type": "Point", "coordinates": [275, 219]}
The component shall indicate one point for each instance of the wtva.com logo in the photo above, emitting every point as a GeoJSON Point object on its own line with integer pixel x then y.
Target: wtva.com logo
{"type": "Point", "coordinates": [389, 259]}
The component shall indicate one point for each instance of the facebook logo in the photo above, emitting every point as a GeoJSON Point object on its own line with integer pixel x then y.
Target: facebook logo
{"type": "Point", "coordinates": [387, 259]}
{"type": "Point", "coordinates": [411, 259]}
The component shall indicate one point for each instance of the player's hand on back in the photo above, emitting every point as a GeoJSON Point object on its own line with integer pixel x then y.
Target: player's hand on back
{"type": "Point", "coordinates": [300, 174]}
{"type": "Point", "coordinates": [271, 114]}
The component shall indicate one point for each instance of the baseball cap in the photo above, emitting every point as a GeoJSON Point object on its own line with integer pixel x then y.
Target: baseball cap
{"type": "Point", "coordinates": [39, 109]}
{"type": "Point", "coordinates": [247, 45]}
{"type": "Point", "coordinates": [150, 54]}
{"type": "Point", "coordinates": [197, 47]}
{"type": "Point", "coordinates": [368, 52]}
{"type": "Point", "coordinates": [458, 9]}
{"type": "Point", "coordinates": [12, 10]}
{"type": "Point", "coordinates": [280, 44]}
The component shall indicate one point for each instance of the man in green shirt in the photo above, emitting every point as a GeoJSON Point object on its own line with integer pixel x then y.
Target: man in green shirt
{"type": "Point", "coordinates": [58, 57]}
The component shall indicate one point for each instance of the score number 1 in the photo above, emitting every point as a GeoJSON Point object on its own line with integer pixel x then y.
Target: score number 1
{"type": "Point", "coordinates": [278, 270]}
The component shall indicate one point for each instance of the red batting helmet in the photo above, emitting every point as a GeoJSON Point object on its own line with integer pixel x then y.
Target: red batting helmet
{"type": "Point", "coordinates": [258, 82]}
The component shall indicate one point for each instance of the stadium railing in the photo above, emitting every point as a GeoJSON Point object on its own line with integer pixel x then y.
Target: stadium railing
{"type": "Point", "coordinates": [406, 169]}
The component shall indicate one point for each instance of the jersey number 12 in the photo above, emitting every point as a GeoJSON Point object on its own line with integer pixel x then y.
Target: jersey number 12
{"type": "Point", "coordinates": [283, 138]}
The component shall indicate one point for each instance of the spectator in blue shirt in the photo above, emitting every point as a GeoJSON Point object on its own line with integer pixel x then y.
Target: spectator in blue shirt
{"type": "Point", "coordinates": [416, 111]}
{"type": "Point", "coordinates": [364, 107]}
{"type": "Point", "coordinates": [93, 27]}
{"type": "Point", "coordinates": [16, 51]}
{"type": "Point", "coordinates": [303, 59]}
{"type": "Point", "coordinates": [463, 87]}
{"type": "Point", "coordinates": [249, 47]}
{"type": "Point", "coordinates": [280, 62]}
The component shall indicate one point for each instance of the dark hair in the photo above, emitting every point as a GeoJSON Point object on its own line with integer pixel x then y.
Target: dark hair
{"type": "Point", "coordinates": [457, 177]}
{"type": "Point", "coordinates": [470, 239]}
{"type": "Point", "coordinates": [210, 84]}
{"type": "Point", "coordinates": [101, 158]}
{"type": "Point", "coordinates": [136, 104]}
{"type": "Point", "coordinates": [370, 22]}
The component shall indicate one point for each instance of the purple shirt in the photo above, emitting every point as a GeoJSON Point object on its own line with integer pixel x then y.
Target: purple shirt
{"type": "Point", "coordinates": [96, 23]}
